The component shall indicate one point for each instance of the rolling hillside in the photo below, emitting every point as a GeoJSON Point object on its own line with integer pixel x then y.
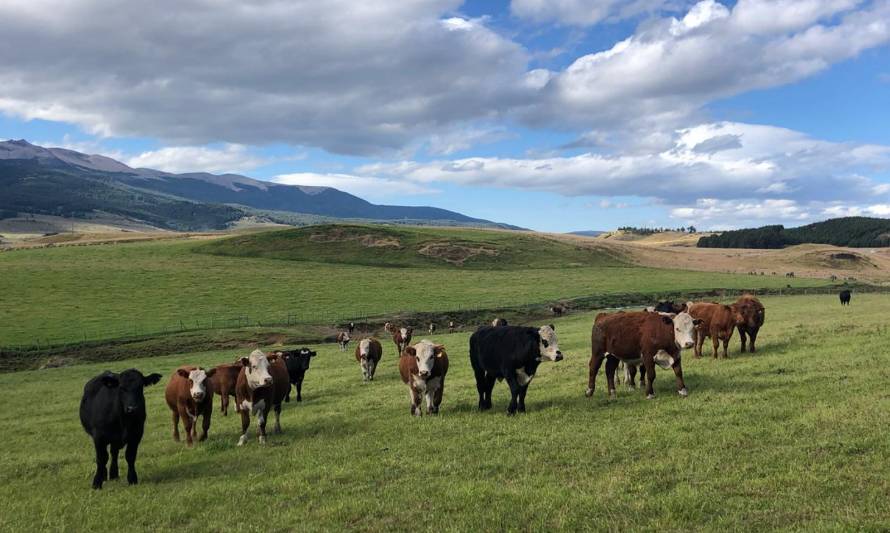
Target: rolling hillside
{"type": "Point", "coordinates": [856, 232]}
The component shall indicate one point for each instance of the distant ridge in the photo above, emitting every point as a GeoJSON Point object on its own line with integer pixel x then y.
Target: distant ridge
{"type": "Point", "coordinates": [856, 232]}
{"type": "Point", "coordinates": [57, 181]}
{"type": "Point", "coordinates": [587, 233]}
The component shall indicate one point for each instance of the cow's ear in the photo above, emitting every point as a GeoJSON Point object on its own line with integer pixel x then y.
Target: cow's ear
{"type": "Point", "coordinates": [209, 373]}
{"type": "Point", "coordinates": [272, 357]}
{"type": "Point", "coordinates": [110, 381]}
{"type": "Point", "coordinates": [697, 321]}
{"type": "Point", "coordinates": [410, 351]}
{"type": "Point", "coordinates": [552, 327]}
{"type": "Point", "coordinates": [182, 372]}
{"type": "Point", "coordinates": [313, 354]}
{"type": "Point", "coordinates": [439, 350]}
{"type": "Point", "coordinates": [245, 361]}
{"type": "Point", "coordinates": [151, 379]}
{"type": "Point", "coordinates": [666, 319]}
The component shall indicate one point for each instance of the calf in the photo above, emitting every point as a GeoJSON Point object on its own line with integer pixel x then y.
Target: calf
{"type": "Point", "coordinates": [423, 368]}
{"type": "Point", "coordinates": [343, 340]}
{"type": "Point", "coordinates": [262, 384]}
{"type": "Point", "coordinates": [112, 412]}
{"type": "Point", "coordinates": [498, 322]}
{"type": "Point", "coordinates": [511, 353]}
{"type": "Point", "coordinates": [752, 315]}
{"type": "Point", "coordinates": [297, 363]}
{"type": "Point", "coordinates": [189, 394]}
{"type": "Point", "coordinates": [718, 322]}
{"type": "Point", "coordinates": [845, 296]}
{"type": "Point", "coordinates": [640, 338]}
{"type": "Point", "coordinates": [451, 326]}
{"type": "Point", "coordinates": [432, 328]}
{"type": "Point", "coordinates": [223, 381]}
{"type": "Point", "coordinates": [402, 337]}
{"type": "Point", "coordinates": [368, 354]}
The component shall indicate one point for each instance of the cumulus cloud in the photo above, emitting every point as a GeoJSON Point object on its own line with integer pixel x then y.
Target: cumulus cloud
{"type": "Point", "coordinates": [744, 161]}
{"type": "Point", "coordinates": [585, 12]}
{"type": "Point", "coordinates": [178, 159]}
{"type": "Point", "coordinates": [363, 186]}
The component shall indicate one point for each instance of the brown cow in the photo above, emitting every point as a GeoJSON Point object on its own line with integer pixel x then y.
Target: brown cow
{"type": "Point", "coordinates": [401, 336]}
{"type": "Point", "coordinates": [189, 394]}
{"type": "Point", "coordinates": [368, 353]}
{"type": "Point", "coordinates": [718, 322]}
{"type": "Point", "coordinates": [343, 340]}
{"type": "Point", "coordinates": [753, 315]}
{"type": "Point", "coordinates": [423, 368]}
{"type": "Point", "coordinates": [223, 380]}
{"type": "Point", "coordinates": [640, 338]}
{"type": "Point", "coordinates": [262, 384]}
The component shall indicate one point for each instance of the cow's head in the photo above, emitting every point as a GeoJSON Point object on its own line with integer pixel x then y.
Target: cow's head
{"type": "Point", "coordinates": [197, 379]}
{"type": "Point", "coordinates": [684, 328]}
{"type": "Point", "coordinates": [425, 353]}
{"type": "Point", "coordinates": [548, 344]}
{"type": "Point", "coordinates": [256, 369]}
{"type": "Point", "coordinates": [298, 359]}
{"type": "Point", "coordinates": [130, 384]}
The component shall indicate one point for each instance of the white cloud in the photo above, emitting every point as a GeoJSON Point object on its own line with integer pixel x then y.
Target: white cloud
{"type": "Point", "coordinates": [363, 186]}
{"type": "Point", "coordinates": [585, 12]}
{"type": "Point", "coordinates": [710, 211]}
{"type": "Point", "coordinates": [230, 158]}
{"type": "Point", "coordinates": [463, 139]}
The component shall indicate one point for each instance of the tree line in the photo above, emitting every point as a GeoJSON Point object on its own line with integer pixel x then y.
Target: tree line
{"type": "Point", "coordinates": [856, 232]}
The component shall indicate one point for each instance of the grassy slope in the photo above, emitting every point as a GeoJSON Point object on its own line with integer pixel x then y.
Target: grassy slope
{"type": "Point", "coordinates": [793, 437]}
{"type": "Point", "coordinates": [62, 294]}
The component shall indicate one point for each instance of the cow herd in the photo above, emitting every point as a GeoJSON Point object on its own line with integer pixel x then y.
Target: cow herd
{"type": "Point", "coordinates": [112, 410]}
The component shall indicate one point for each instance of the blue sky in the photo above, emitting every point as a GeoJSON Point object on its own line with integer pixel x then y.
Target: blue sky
{"type": "Point", "coordinates": [555, 115]}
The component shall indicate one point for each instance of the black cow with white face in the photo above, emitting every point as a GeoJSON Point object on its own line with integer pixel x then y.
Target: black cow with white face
{"type": "Point", "coordinates": [511, 353]}
{"type": "Point", "coordinates": [112, 412]}
{"type": "Point", "coordinates": [297, 362]}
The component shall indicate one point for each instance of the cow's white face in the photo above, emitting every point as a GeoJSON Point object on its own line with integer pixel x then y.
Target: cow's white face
{"type": "Point", "coordinates": [403, 332]}
{"type": "Point", "coordinates": [256, 369]}
{"type": "Point", "coordinates": [426, 357]}
{"type": "Point", "coordinates": [549, 345]}
{"type": "Point", "coordinates": [684, 330]}
{"type": "Point", "coordinates": [364, 348]}
{"type": "Point", "coordinates": [198, 379]}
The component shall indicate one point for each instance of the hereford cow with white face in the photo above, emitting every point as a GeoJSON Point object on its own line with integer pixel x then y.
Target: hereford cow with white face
{"type": "Point", "coordinates": [254, 393]}
{"type": "Point", "coordinates": [401, 337]}
{"type": "Point", "coordinates": [189, 394]}
{"type": "Point", "coordinates": [423, 368]}
{"type": "Point", "coordinates": [368, 354]}
{"type": "Point", "coordinates": [343, 340]}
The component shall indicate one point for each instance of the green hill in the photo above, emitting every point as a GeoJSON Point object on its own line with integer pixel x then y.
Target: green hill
{"type": "Point", "coordinates": [411, 247]}
{"type": "Point", "coordinates": [861, 232]}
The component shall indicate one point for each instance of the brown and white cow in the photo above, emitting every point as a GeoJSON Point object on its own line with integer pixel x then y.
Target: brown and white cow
{"type": "Point", "coordinates": [368, 353]}
{"type": "Point", "coordinates": [753, 315]}
{"type": "Point", "coordinates": [189, 394]}
{"type": "Point", "coordinates": [640, 338]}
{"type": "Point", "coordinates": [343, 340]}
{"type": "Point", "coordinates": [718, 322]}
{"type": "Point", "coordinates": [451, 326]}
{"type": "Point", "coordinates": [262, 384]}
{"type": "Point", "coordinates": [432, 328]}
{"type": "Point", "coordinates": [401, 336]}
{"type": "Point", "coordinates": [423, 368]}
{"type": "Point", "coordinates": [224, 379]}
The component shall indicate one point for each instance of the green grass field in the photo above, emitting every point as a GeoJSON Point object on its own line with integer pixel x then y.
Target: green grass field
{"type": "Point", "coordinates": [794, 438]}
{"type": "Point", "coordinates": [68, 294]}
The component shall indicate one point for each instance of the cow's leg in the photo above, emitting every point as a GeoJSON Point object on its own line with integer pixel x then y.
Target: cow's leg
{"type": "Point", "coordinates": [715, 340]}
{"type": "Point", "coordinates": [642, 369]}
{"type": "Point", "coordinates": [726, 346]}
{"type": "Point", "coordinates": [287, 396]}
{"type": "Point", "coordinates": [483, 389]}
{"type": "Point", "coordinates": [513, 382]}
{"type": "Point", "coordinates": [372, 367]}
{"type": "Point", "coordinates": [277, 427]}
{"type": "Point", "coordinates": [681, 385]}
{"type": "Point", "coordinates": [611, 365]}
{"type": "Point", "coordinates": [699, 342]}
{"type": "Point", "coordinates": [130, 455]}
{"type": "Point", "coordinates": [522, 393]}
{"type": "Point", "coordinates": [176, 425]}
{"type": "Point", "coordinates": [101, 461]}
{"type": "Point", "coordinates": [205, 421]}
{"type": "Point", "coordinates": [744, 338]}
{"type": "Point", "coordinates": [115, 451]}
{"type": "Point", "coordinates": [630, 375]}
{"type": "Point", "coordinates": [437, 399]}
{"type": "Point", "coordinates": [300, 389]}
{"type": "Point", "coordinates": [649, 362]}
{"type": "Point", "coordinates": [245, 425]}
{"type": "Point", "coordinates": [261, 424]}
{"type": "Point", "coordinates": [188, 422]}
{"type": "Point", "coordinates": [753, 334]}
{"type": "Point", "coordinates": [596, 360]}
{"type": "Point", "coordinates": [414, 398]}
{"type": "Point", "coordinates": [489, 388]}
{"type": "Point", "coordinates": [224, 404]}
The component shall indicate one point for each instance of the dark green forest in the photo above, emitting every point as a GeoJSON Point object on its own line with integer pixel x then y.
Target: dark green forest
{"type": "Point", "coordinates": [857, 232]}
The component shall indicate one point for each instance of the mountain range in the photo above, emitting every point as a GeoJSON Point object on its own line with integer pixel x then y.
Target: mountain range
{"type": "Point", "coordinates": [57, 181]}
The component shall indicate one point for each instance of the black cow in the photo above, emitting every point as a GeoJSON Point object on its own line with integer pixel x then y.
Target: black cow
{"type": "Point", "coordinates": [297, 362]}
{"type": "Point", "coordinates": [512, 353]}
{"type": "Point", "coordinates": [668, 306]}
{"type": "Point", "coordinates": [112, 411]}
{"type": "Point", "coordinates": [845, 296]}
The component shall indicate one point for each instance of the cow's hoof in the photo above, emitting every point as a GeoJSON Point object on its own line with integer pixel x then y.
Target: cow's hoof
{"type": "Point", "coordinates": [683, 392]}
{"type": "Point", "coordinates": [262, 439]}
{"type": "Point", "coordinates": [113, 475]}
{"type": "Point", "coordinates": [299, 399]}
{"type": "Point", "coordinates": [612, 394]}
{"type": "Point", "coordinates": [588, 393]}
{"type": "Point", "coordinates": [132, 479]}
{"type": "Point", "coordinates": [242, 440]}
{"type": "Point", "coordinates": [650, 396]}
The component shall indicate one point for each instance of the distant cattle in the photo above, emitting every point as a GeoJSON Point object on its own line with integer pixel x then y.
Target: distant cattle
{"type": "Point", "coordinates": [350, 327]}
{"type": "Point", "coordinates": [262, 384]}
{"type": "Point", "coordinates": [368, 353]}
{"type": "Point", "coordinates": [845, 296]}
{"type": "Point", "coordinates": [498, 322]}
{"type": "Point", "coordinates": [833, 277]}
{"type": "Point", "coordinates": [668, 306]}
{"type": "Point", "coordinates": [432, 328]}
{"type": "Point", "coordinates": [423, 368]}
{"type": "Point", "coordinates": [511, 353]}
{"type": "Point", "coordinates": [558, 309]}
{"type": "Point", "coordinates": [112, 412]}
{"type": "Point", "coordinates": [387, 327]}
{"type": "Point", "coordinates": [789, 274]}
{"type": "Point", "coordinates": [640, 338]}
{"type": "Point", "coordinates": [750, 315]}
{"type": "Point", "coordinates": [401, 337]}
{"type": "Point", "coordinates": [451, 326]}
{"type": "Point", "coordinates": [718, 322]}
{"type": "Point", "coordinates": [343, 340]}
{"type": "Point", "coordinates": [297, 363]}
{"type": "Point", "coordinates": [223, 381]}
{"type": "Point", "coordinates": [189, 394]}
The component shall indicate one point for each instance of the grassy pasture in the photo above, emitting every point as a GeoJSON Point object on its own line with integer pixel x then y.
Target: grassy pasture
{"type": "Point", "coordinates": [68, 294]}
{"type": "Point", "coordinates": [794, 437]}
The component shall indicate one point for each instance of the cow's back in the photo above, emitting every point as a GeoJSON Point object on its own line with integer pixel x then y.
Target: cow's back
{"type": "Point", "coordinates": [619, 333]}
{"type": "Point", "coordinates": [496, 347]}
{"type": "Point", "coordinates": [225, 378]}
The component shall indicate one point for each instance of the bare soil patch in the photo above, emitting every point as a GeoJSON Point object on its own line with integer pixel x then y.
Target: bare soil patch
{"type": "Point", "coordinates": [456, 254]}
